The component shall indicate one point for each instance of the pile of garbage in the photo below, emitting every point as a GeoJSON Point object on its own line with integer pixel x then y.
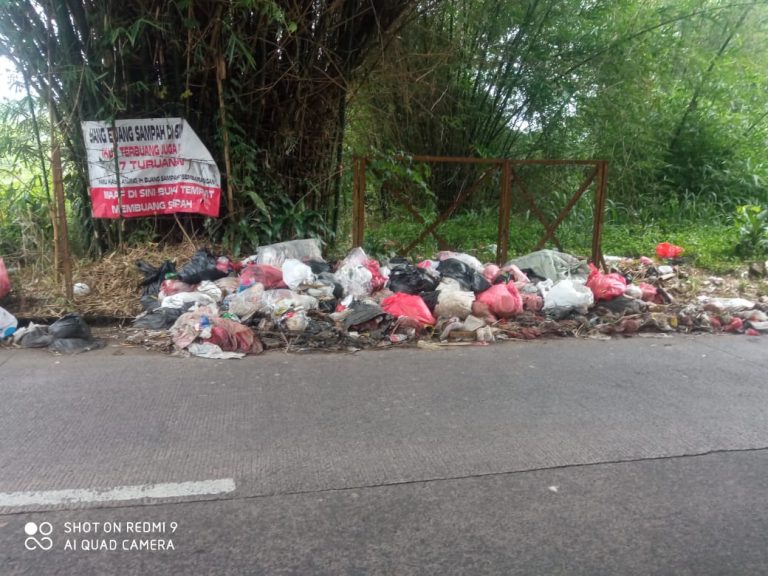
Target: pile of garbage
{"type": "Point", "coordinates": [287, 296]}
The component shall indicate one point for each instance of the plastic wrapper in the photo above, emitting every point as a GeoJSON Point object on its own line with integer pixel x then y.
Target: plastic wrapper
{"type": "Point", "coordinates": [173, 286]}
{"type": "Point", "coordinates": [277, 302]}
{"type": "Point", "coordinates": [411, 306]}
{"type": "Point", "coordinates": [467, 259]}
{"type": "Point", "coordinates": [355, 279]}
{"type": "Point", "coordinates": [228, 285]}
{"type": "Point", "coordinates": [503, 300]}
{"type": "Point", "coordinates": [5, 281]}
{"type": "Point", "coordinates": [490, 271]}
{"type": "Point", "coordinates": [605, 286]}
{"type": "Point", "coordinates": [247, 302]}
{"type": "Point", "coordinates": [182, 299]}
{"type": "Point", "coordinates": [296, 273]}
{"type": "Point", "coordinates": [269, 276]}
{"type": "Point", "coordinates": [8, 324]}
{"type": "Point", "coordinates": [203, 266]}
{"type": "Point", "coordinates": [570, 295]}
{"type": "Point", "coordinates": [210, 289]}
{"type": "Point", "coordinates": [276, 254]}
{"type": "Point", "coordinates": [158, 319]}
{"type": "Point", "coordinates": [454, 303]}
{"type": "Point", "coordinates": [74, 345]}
{"type": "Point", "coordinates": [32, 336]}
{"type": "Point", "coordinates": [468, 276]}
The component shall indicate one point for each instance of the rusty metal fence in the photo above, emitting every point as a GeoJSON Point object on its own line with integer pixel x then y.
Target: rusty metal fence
{"type": "Point", "coordinates": [510, 179]}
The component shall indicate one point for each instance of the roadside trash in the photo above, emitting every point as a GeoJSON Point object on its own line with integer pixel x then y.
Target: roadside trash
{"type": "Point", "coordinates": [633, 291]}
{"type": "Point", "coordinates": [466, 259]}
{"type": "Point", "coordinates": [276, 254]}
{"type": "Point", "coordinates": [5, 281]}
{"type": "Point", "coordinates": [158, 319]}
{"type": "Point", "coordinates": [605, 286]}
{"type": "Point", "coordinates": [68, 335]}
{"type": "Point", "coordinates": [502, 300]}
{"type": "Point", "coordinates": [292, 300]}
{"type": "Point", "coordinates": [469, 277]}
{"type": "Point", "coordinates": [361, 313]}
{"type": "Point", "coordinates": [407, 305]}
{"type": "Point", "coordinates": [267, 275]}
{"type": "Point", "coordinates": [212, 351]}
{"type": "Point", "coordinates": [408, 279]}
{"type": "Point", "coordinates": [551, 265]}
{"type": "Point", "coordinates": [154, 276]}
{"type": "Point", "coordinates": [569, 295]}
{"type": "Point", "coordinates": [453, 303]}
{"type": "Point", "coordinates": [203, 266]}
{"type": "Point", "coordinates": [210, 289]}
{"type": "Point", "coordinates": [8, 324]}
{"type": "Point", "coordinates": [752, 332]}
{"type": "Point", "coordinates": [244, 304]}
{"type": "Point", "coordinates": [667, 251]}
{"type": "Point", "coordinates": [726, 304]}
{"type": "Point", "coordinates": [172, 286]}
{"type": "Point", "coordinates": [182, 299]}
{"type": "Point", "coordinates": [277, 302]}
{"type": "Point", "coordinates": [81, 289]}
{"type": "Point", "coordinates": [32, 336]}
{"type": "Point", "coordinates": [296, 273]}
{"type": "Point", "coordinates": [70, 326]}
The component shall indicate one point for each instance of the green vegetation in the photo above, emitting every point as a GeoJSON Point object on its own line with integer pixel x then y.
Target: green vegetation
{"type": "Point", "coordinates": [672, 93]}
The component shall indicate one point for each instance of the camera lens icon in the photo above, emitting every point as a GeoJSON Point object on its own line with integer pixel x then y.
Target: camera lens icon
{"type": "Point", "coordinates": [44, 530]}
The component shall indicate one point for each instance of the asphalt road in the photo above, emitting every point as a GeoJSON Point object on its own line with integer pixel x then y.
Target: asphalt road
{"type": "Point", "coordinates": [637, 456]}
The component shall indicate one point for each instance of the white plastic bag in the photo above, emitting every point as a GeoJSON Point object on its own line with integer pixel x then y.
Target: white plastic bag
{"type": "Point", "coordinates": [210, 289]}
{"type": "Point", "coordinates": [568, 294]}
{"type": "Point", "coordinates": [276, 254]}
{"type": "Point", "coordinates": [8, 323]}
{"type": "Point", "coordinates": [296, 273]}
{"type": "Point", "coordinates": [277, 302]}
{"type": "Point", "coordinates": [182, 298]}
{"type": "Point", "coordinates": [245, 304]}
{"type": "Point", "coordinates": [356, 280]}
{"type": "Point", "coordinates": [456, 303]}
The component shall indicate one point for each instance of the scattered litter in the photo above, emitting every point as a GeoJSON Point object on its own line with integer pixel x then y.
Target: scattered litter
{"type": "Point", "coordinates": [8, 324]}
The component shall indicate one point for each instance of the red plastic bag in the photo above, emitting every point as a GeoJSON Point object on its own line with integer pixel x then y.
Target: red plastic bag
{"type": "Point", "coordinates": [503, 300]}
{"type": "Point", "coordinates": [409, 305]}
{"type": "Point", "coordinates": [265, 274]}
{"type": "Point", "coordinates": [649, 292]}
{"type": "Point", "coordinates": [170, 287]}
{"type": "Point", "coordinates": [378, 281]}
{"type": "Point", "coordinates": [667, 250]}
{"type": "Point", "coordinates": [5, 281]}
{"type": "Point", "coordinates": [605, 286]}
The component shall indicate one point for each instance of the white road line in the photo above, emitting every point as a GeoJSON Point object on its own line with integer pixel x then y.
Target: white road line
{"type": "Point", "coordinates": [118, 493]}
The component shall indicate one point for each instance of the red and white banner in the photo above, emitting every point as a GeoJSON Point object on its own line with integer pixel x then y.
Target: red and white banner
{"type": "Point", "coordinates": [163, 167]}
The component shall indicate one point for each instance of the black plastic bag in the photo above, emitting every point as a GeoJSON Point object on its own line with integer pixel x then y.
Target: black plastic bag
{"type": "Point", "coordinates": [149, 302]}
{"type": "Point", "coordinates": [70, 326]}
{"type": "Point", "coordinates": [36, 337]}
{"type": "Point", "coordinates": [468, 277]}
{"type": "Point", "coordinates": [158, 319]}
{"type": "Point", "coordinates": [410, 279]}
{"type": "Point", "coordinates": [318, 266]}
{"type": "Point", "coordinates": [430, 299]}
{"type": "Point", "coordinates": [74, 345]}
{"type": "Point", "coordinates": [362, 313]}
{"type": "Point", "coordinates": [154, 276]}
{"type": "Point", "coordinates": [201, 267]}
